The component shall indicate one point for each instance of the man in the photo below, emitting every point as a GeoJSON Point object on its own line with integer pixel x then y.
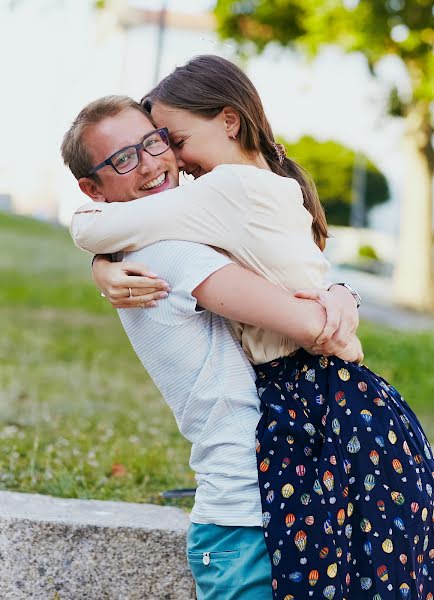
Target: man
{"type": "Point", "coordinates": [116, 154]}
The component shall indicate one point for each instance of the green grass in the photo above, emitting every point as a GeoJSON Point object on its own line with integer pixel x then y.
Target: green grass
{"type": "Point", "coordinates": [74, 399]}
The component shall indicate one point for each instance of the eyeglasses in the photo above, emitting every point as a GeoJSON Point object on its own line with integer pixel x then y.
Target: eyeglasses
{"type": "Point", "coordinates": [125, 160]}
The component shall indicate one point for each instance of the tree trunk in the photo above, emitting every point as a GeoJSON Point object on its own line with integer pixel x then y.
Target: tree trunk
{"type": "Point", "coordinates": [414, 278]}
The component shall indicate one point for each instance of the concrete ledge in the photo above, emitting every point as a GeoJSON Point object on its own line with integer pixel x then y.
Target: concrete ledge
{"type": "Point", "coordinates": [58, 549]}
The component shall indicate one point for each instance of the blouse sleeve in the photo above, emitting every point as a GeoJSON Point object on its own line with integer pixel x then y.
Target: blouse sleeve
{"type": "Point", "coordinates": [210, 211]}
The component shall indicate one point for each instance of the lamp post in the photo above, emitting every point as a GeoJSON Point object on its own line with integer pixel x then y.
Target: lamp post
{"type": "Point", "coordinates": [160, 41]}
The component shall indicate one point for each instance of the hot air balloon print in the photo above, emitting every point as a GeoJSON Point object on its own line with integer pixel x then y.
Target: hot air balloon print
{"type": "Point", "coordinates": [380, 440]}
{"type": "Point", "coordinates": [292, 413]}
{"type": "Point", "coordinates": [266, 516]}
{"type": "Point", "coordinates": [366, 583]}
{"type": "Point", "coordinates": [313, 577]}
{"type": "Point", "coordinates": [362, 385]}
{"type": "Point", "coordinates": [339, 552]}
{"type": "Point", "coordinates": [272, 426]}
{"type": "Point", "coordinates": [323, 362]}
{"type": "Point", "coordinates": [366, 416]}
{"type": "Point", "coordinates": [300, 470]}
{"type": "Point", "coordinates": [336, 426]}
{"type": "Point", "coordinates": [353, 445]}
{"type": "Point", "coordinates": [379, 402]}
{"type": "Point", "coordinates": [369, 482]}
{"type": "Point", "coordinates": [404, 590]}
{"type": "Point", "coordinates": [344, 374]}
{"type": "Point", "coordinates": [398, 498]}
{"type": "Point", "coordinates": [329, 592]}
{"type": "Point", "coordinates": [341, 517]}
{"type": "Point", "coordinates": [382, 573]}
{"type": "Point", "coordinates": [365, 525]}
{"type": "Point", "coordinates": [332, 570]}
{"type": "Point", "coordinates": [414, 507]}
{"type": "Point", "coordinates": [285, 462]}
{"type": "Point", "coordinates": [349, 531]}
{"type": "Point", "coordinates": [399, 523]}
{"type": "Point", "coordinates": [324, 552]}
{"type": "Point", "coordinates": [309, 520]}
{"type": "Point", "coordinates": [367, 547]}
{"type": "Point", "coordinates": [424, 514]}
{"type": "Point", "coordinates": [387, 546]}
{"type": "Point", "coordinates": [290, 520]}
{"type": "Point", "coordinates": [287, 490]}
{"type": "Point", "coordinates": [380, 505]}
{"type": "Point", "coordinates": [296, 576]}
{"type": "Point", "coordinates": [270, 496]}
{"type": "Point", "coordinates": [406, 448]}
{"type": "Point", "coordinates": [329, 480]}
{"type": "Point", "coordinates": [340, 399]}
{"type": "Point", "coordinates": [310, 375]}
{"type": "Point", "coordinates": [277, 555]}
{"type": "Point", "coordinates": [374, 456]}
{"type": "Point", "coordinates": [317, 487]}
{"type": "Point", "coordinates": [392, 437]}
{"type": "Point", "coordinates": [264, 465]}
{"type": "Point", "coordinates": [403, 558]}
{"type": "Point", "coordinates": [350, 509]}
{"type": "Point", "coordinates": [396, 464]}
{"type": "Point", "coordinates": [309, 428]}
{"type": "Point", "coordinates": [300, 540]}
{"type": "Point", "coordinates": [347, 466]}
{"type": "Point", "coordinates": [305, 499]}
{"type": "Point", "coordinates": [328, 527]}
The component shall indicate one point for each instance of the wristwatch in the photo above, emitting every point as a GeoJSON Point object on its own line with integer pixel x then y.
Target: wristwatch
{"type": "Point", "coordinates": [352, 291]}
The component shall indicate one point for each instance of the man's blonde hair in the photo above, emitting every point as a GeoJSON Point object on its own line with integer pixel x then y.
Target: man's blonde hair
{"type": "Point", "coordinates": [75, 154]}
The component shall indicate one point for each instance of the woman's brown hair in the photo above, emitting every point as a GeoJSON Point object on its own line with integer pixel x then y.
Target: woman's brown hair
{"type": "Point", "coordinates": [208, 83]}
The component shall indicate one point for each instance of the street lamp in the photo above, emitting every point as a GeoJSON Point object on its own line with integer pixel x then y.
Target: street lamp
{"type": "Point", "coordinates": [160, 41]}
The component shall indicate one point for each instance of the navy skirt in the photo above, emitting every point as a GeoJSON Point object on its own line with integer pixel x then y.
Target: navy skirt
{"type": "Point", "coordinates": [346, 481]}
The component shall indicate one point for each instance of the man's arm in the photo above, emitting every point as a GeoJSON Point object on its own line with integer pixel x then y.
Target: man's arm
{"type": "Point", "coordinates": [229, 290]}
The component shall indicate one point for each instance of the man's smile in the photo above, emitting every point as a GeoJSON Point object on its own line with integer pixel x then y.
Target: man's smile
{"type": "Point", "coordinates": [157, 182]}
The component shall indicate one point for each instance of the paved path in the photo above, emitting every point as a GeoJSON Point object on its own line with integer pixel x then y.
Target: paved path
{"type": "Point", "coordinates": [377, 306]}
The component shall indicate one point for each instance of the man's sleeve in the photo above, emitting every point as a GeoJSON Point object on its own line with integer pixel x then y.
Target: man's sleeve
{"type": "Point", "coordinates": [184, 265]}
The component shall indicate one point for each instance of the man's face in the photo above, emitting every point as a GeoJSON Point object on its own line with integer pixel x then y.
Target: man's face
{"type": "Point", "coordinates": [152, 175]}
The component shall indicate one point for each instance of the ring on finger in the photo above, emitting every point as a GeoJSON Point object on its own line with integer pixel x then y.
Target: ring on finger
{"type": "Point", "coordinates": [131, 294]}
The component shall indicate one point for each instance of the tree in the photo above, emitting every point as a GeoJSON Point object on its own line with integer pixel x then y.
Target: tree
{"type": "Point", "coordinates": [376, 28]}
{"type": "Point", "coordinates": [332, 167]}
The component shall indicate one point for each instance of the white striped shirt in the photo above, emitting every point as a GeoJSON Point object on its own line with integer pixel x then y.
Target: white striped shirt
{"type": "Point", "coordinates": [204, 376]}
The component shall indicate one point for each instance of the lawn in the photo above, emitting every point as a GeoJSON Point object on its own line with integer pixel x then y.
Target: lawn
{"type": "Point", "coordinates": [79, 417]}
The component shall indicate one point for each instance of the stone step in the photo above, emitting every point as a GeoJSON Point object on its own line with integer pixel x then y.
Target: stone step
{"type": "Point", "coordinates": [67, 549]}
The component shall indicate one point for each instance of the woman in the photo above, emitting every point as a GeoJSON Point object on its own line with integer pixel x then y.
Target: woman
{"type": "Point", "coordinates": [345, 470]}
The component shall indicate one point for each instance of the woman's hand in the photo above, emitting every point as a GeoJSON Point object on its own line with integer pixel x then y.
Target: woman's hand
{"type": "Point", "coordinates": [338, 336]}
{"type": "Point", "coordinates": [128, 284]}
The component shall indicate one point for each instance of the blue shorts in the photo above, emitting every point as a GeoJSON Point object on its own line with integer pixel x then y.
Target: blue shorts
{"type": "Point", "coordinates": [229, 563]}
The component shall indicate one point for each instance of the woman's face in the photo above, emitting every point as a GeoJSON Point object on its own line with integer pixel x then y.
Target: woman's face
{"type": "Point", "coordinates": [199, 144]}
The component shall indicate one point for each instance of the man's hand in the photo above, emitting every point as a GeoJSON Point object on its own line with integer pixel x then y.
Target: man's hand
{"type": "Point", "coordinates": [341, 324]}
{"type": "Point", "coordinates": [128, 284]}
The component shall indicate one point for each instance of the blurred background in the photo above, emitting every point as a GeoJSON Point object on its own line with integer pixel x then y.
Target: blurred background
{"type": "Point", "coordinates": [348, 88]}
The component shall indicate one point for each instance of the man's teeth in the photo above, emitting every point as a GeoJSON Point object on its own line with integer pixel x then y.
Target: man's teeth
{"type": "Point", "coordinates": [151, 184]}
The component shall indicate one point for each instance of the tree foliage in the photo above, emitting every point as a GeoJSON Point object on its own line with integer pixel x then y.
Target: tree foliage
{"type": "Point", "coordinates": [332, 167]}
{"type": "Point", "coordinates": [376, 28]}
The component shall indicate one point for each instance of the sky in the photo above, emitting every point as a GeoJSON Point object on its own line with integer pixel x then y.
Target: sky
{"type": "Point", "coordinates": [56, 58]}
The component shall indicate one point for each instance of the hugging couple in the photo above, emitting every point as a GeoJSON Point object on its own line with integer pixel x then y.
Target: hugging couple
{"type": "Point", "coordinates": [308, 464]}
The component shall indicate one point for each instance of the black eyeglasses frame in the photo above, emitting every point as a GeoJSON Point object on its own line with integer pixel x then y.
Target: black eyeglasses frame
{"type": "Point", "coordinates": [164, 134]}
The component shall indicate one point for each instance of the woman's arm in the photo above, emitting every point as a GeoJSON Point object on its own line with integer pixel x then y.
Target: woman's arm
{"type": "Point", "coordinates": [210, 210]}
{"type": "Point", "coordinates": [238, 294]}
